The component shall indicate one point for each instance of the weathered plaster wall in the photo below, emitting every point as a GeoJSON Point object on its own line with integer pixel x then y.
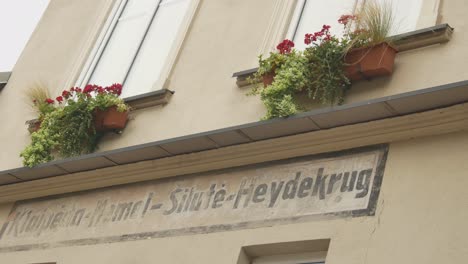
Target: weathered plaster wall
{"type": "Point", "coordinates": [420, 218]}
{"type": "Point", "coordinates": [225, 37]}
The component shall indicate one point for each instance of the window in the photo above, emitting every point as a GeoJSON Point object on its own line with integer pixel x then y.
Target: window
{"type": "Point", "coordinates": [305, 258]}
{"type": "Point", "coordinates": [310, 15]}
{"type": "Point", "coordinates": [137, 45]}
{"type": "Point", "coordinates": [292, 252]}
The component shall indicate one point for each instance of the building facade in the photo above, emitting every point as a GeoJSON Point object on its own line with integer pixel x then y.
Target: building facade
{"type": "Point", "coordinates": [195, 177]}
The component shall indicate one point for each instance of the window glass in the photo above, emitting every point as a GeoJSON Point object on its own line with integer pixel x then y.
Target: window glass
{"type": "Point", "coordinates": [151, 59]}
{"type": "Point", "coordinates": [316, 13]}
{"type": "Point", "coordinates": [406, 14]}
{"type": "Point", "coordinates": [123, 44]}
{"type": "Point", "coordinates": [139, 44]}
{"type": "Point", "coordinates": [311, 15]}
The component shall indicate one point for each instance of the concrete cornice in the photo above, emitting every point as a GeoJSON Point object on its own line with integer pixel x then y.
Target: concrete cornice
{"type": "Point", "coordinates": [4, 76]}
{"type": "Point", "coordinates": [430, 123]}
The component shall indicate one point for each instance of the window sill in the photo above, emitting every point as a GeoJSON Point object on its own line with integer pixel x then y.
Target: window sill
{"type": "Point", "coordinates": [159, 97]}
{"type": "Point", "coordinates": [408, 41]}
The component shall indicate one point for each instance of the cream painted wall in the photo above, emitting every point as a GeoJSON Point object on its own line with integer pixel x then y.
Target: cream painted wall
{"type": "Point", "coordinates": [422, 208]}
{"type": "Point", "coordinates": [224, 37]}
{"type": "Point", "coordinates": [421, 217]}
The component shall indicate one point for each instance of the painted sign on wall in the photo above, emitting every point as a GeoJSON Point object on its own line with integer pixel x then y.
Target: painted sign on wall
{"type": "Point", "coordinates": [274, 193]}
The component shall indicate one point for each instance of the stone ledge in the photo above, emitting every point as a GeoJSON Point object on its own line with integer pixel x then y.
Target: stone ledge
{"type": "Point", "coordinates": [159, 97]}
{"type": "Point", "coordinates": [408, 41]}
{"type": "Point", "coordinates": [429, 123]}
{"type": "Point", "coordinates": [4, 76]}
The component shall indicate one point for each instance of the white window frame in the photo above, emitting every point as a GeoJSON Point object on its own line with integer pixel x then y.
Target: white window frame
{"type": "Point", "coordinates": [294, 23]}
{"type": "Point", "coordinates": [286, 14]}
{"type": "Point", "coordinates": [428, 15]}
{"type": "Point", "coordinates": [106, 32]}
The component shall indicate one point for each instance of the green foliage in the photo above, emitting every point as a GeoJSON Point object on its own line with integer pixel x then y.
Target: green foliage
{"type": "Point", "coordinates": [326, 65]}
{"type": "Point", "coordinates": [319, 69]}
{"type": "Point", "coordinates": [76, 133]}
{"type": "Point", "coordinates": [106, 100]}
{"type": "Point", "coordinates": [68, 129]}
{"type": "Point", "coordinates": [292, 75]}
{"type": "Point", "coordinates": [374, 22]}
{"type": "Point", "coordinates": [38, 95]}
{"type": "Point", "coordinates": [42, 144]}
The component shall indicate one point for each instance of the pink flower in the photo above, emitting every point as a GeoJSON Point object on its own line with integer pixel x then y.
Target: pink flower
{"type": "Point", "coordinates": [344, 19]}
{"type": "Point", "coordinates": [319, 35]}
{"type": "Point", "coordinates": [307, 39]}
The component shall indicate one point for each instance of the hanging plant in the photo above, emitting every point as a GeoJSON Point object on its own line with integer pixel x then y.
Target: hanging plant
{"type": "Point", "coordinates": [68, 126]}
{"type": "Point", "coordinates": [327, 64]}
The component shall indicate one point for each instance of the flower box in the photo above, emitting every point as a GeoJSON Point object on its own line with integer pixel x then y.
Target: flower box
{"type": "Point", "coordinates": [368, 62]}
{"type": "Point", "coordinates": [268, 78]}
{"type": "Point", "coordinates": [110, 119]}
{"type": "Point", "coordinates": [34, 125]}
{"type": "Point", "coordinates": [70, 127]}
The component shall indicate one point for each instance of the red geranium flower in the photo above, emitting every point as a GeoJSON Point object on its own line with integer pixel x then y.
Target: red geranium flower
{"type": "Point", "coordinates": [49, 101]}
{"type": "Point", "coordinates": [100, 90]}
{"type": "Point", "coordinates": [88, 88]}
{"type": "Point", "coordinates": [285, 46]}
{"type": "Point", "coordinates": [325, 31]}
{"type": "Point", "coordinates": [65, 94]}
{"type": "Point", "coordinates": [115, 88]}
{"type": "Point", "coordinates": [59, 99]}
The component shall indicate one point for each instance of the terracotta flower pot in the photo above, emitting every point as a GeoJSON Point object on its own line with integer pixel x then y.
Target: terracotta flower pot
{"type": "Point", "coordinates": [34, 126]}
{"type": "Point", "coordinates": [109, 119]}
{"type": "Point", "coordinates": [99, 119]}
{"type": "Point", "coordinates": [368, 62]}
{"type": "Point", "coordinates": [267, 79]}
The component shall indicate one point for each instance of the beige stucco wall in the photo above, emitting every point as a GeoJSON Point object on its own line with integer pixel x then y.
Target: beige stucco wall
{"type": "Point", "coordinates": [225, 37]}
{"type": "Point", "coordinates": [420, 218]}
{"type": "Point", "coordinates": [422, 206]}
